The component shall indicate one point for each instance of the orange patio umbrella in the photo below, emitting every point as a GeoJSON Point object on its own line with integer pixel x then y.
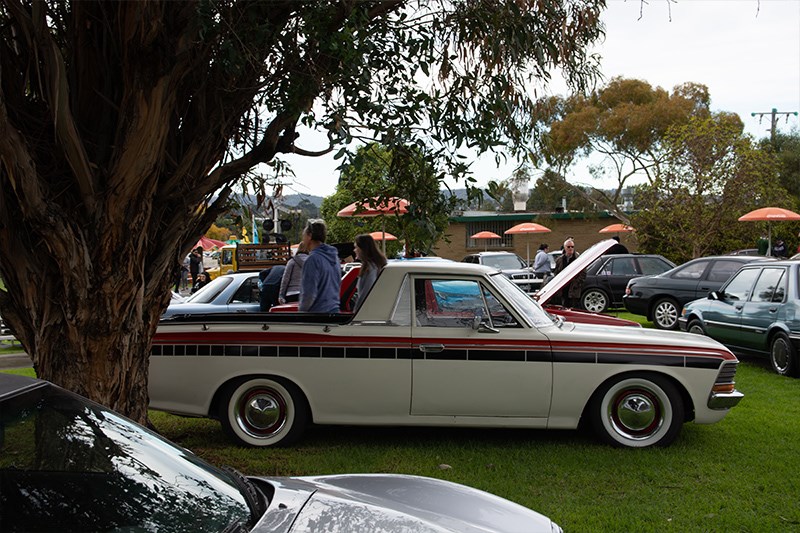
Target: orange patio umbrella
{"type": "Point", "coordinates": [769, 214]}
{"type": "Point", "coordinates": [382, 236]}
{"type": "Point", "coordinates": [527, 228]}
{"type": "Point", "coordinates": [617, 228]}
{"type": "Point", "coordinates": [485, 235]}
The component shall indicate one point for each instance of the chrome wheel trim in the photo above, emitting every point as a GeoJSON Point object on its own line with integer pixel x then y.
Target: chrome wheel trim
{"type": "Point", "coordinates": [636, 412]}
{"type": "Point", "coordinates": [595, 301]}
{"type": "Point", "coordinates": [780, 355]}
{"type": "Point", "coordinates": [665, 315]}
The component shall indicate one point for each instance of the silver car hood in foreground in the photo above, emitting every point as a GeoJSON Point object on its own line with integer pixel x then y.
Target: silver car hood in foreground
{"type": "Point", "coordinates": [565, 276]}
{"type": "Point", "coordinates": [391, 503]}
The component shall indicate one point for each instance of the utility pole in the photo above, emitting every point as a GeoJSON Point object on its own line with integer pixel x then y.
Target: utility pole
{"type": "Point", "coordinates": [774, 121]}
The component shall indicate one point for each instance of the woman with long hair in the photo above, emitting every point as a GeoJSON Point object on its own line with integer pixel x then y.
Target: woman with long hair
{"type": "Point", "coordinates": [372, 261]}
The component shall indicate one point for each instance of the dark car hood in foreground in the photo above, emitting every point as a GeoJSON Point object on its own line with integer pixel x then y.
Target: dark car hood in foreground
{"type": "Point", "coordinates": [391, 503]}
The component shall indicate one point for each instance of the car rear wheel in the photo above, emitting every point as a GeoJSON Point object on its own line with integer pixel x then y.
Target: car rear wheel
{"type": "Point", "coordinates": [783, 355]}
{"type": "Point", "coordinates": [696, 327]}
{"type": "Point", "coordinates": [665, 314]}
{"type": "Point", "coordinates": [637, 411]}
{"type": "Point", "coordinates": [262, 411]}
{"type": "Point", "coordinates": [595, 301]}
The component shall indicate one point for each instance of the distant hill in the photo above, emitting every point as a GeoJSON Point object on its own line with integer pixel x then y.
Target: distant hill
{"type": "Point", "coordinates": [292, 200]}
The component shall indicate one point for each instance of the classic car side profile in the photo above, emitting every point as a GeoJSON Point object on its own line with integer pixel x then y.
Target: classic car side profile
{"type": "Point", "coordinates": [68, 464]}
{"type": "Point", "coordinates": [438, 344]}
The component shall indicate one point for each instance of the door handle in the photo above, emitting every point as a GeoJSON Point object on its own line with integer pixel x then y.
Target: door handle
{"type": "Point", "coordinates": [773, 309]}
{"type": "Point", "coordinates": [738, 307]}
{"type": "Point", "coordinates": [431, 348]}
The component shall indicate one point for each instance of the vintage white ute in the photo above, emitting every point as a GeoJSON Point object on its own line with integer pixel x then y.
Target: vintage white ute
{"type": "Point", "coordinates": [438, 344]}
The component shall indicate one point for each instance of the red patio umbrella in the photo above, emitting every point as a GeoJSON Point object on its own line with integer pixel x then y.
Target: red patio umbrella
{"type": "Point", "coordinates": [207, 243]}
{"type": "Point", "coordinates": [769, 214]}
{"type": "Point", "coordinates": [485, 235]}
{"type": "Point", "coordinates": [375, 207]}
{"type": "Point", "coordinates": [526, 228]}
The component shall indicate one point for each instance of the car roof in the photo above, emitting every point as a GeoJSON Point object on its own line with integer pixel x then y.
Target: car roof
{"type": "Point", "coordinates": [13, 384]}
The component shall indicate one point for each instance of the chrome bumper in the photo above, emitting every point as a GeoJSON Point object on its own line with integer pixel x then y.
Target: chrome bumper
{"type": "Point", "coordinates": [724, 400]}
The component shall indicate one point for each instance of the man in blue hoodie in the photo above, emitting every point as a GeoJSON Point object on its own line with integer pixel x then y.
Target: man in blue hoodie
{"type": "Point", "coordinates": [319, 289]}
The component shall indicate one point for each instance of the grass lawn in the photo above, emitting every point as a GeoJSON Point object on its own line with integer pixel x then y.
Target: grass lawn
{"type": "Point", "coordinates": [742, 474]}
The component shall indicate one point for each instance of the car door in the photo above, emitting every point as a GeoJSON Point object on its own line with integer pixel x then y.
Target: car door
{"type": "Point", "coordinates": [720, 271]}
{"type": "Point", "coordinates": [246, 297]}
{"type": "Point", "coordinates": [686, 280]}
{"type": "Point", "coordinates": [723, 317]}
{"type": "Point", "coordinates": [620, 270]}
{"type": "Point", "coordinates": [459, 371]}
{"type": "Point", "coordinates": [763, 309]}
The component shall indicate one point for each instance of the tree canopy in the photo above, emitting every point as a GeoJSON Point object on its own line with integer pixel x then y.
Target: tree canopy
{"type": "Point", "coordinates": [125, 126]}
{"type": "Point", "coordinates": [710, 176]}
{"type": "Point", "coordinates": [623, 123]}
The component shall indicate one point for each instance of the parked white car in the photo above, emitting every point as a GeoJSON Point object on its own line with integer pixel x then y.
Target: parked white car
{"type": "Point", "coordinates": [439, 344]}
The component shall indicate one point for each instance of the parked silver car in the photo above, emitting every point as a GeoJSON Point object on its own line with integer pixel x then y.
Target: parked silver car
{"type": "Point", "coordinates": [68, 464]}
{"type": "Point", "coordinates": [231, 293]}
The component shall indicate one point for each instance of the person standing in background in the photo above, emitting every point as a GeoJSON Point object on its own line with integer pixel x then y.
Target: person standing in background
{"type": "Point", "coordinates": [572, 292]}
{"type": "Point", "coordinates": [372, 262]}
{"type": "Point", "coordinates": [321, 280]}
{"type": "Point", "coordinates": [293, 276]}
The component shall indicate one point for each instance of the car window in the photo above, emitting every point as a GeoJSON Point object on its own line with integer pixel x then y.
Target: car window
{"type": "Point", "coordinates": [454, 303]}
{"type": "Point", "coordinates": [690, 270]}
{"type": "Point", "coordinates": [208, 293]}
{"type": "Point", "coordinates": [740, 286]}
{"type": "Point", "coordinates": [451, 303]}
{"type": "Point", "coordinates": [503, 262]}
{"type": "Point", "coordinates": [622, 266]}
{"type": "Point", "coordinates": [247, 293]}
{"type": "Point", "coordinates": [771, 286]}
{"type": "Point", "coordinates": [653, 265]}
{"type": "Point", "coordinates": [721, 270]}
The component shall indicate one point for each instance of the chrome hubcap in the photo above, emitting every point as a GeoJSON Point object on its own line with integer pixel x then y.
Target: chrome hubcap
{"type": "Point", "coordinates": [261, 413]}
{"type": "Point", "coordinates": [780, 355]}
{"type": "Point", "coordinates": [636, 414]}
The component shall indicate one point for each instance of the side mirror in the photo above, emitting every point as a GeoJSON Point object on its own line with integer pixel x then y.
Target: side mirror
{"type": "Point", "coordinates": [714, 295]}
{"type": "Point", "coordinates": [480, 325]}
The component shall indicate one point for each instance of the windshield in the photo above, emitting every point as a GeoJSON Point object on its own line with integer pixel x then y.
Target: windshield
{"type": "Point", "coordinates": [67, 464]}
{"type": "Point", "coordinates": [524, 303]}
{"type": "Point", "coordinates": [210, 292]}
{"type": "Point", "coordinates": [503, 262]}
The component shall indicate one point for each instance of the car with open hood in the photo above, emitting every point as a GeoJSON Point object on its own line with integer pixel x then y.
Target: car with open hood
{"type": "Point", "coordinates": [69, 464]}
{"type": "Point", "coordinates": [425, 338]}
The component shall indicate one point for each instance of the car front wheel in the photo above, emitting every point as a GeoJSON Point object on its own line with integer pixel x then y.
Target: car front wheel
{"type": "Point", "coordinates": [595, 301]}
{"type": "Point", "coordinates": [262, 411]}
{"type": "Point", "coordinates": [637, 411]}
{"type": "Point", "coordinates": [783, 355]}
{"type": "Point", "coordinates": [665, 314]}
{"type": "Point", "coordinates": [696, 327]}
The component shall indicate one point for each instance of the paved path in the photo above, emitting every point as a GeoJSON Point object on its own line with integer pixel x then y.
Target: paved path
{"type": "Point", "coordinates": [15, 360]}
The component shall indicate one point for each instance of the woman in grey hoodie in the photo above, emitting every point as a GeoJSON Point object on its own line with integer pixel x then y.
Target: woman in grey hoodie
{"type": "Point", "coordinates": [293, 276]}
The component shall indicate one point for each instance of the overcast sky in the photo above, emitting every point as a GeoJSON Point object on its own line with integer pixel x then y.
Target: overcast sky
{"type": "Point", "coordinates": [746, 51]}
